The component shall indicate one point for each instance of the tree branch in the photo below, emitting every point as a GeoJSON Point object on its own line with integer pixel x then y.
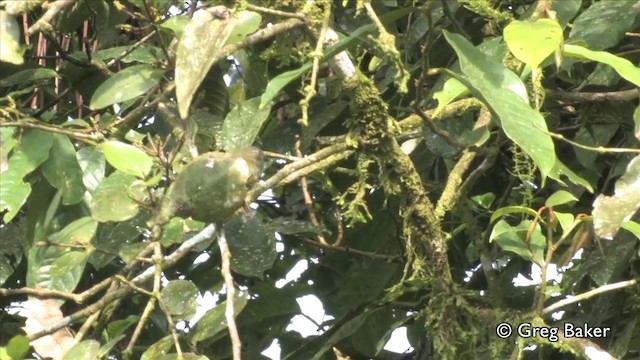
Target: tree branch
{"type": "Point", "coordinates": [589, 294]}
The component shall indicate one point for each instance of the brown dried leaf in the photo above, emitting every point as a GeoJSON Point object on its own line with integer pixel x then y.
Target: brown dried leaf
{"type": "Point", "coordinates": [41, 314]}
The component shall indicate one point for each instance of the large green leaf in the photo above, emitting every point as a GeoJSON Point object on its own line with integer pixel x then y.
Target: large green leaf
{"type": "Point", "coordinates": [41, 259]}
{"type": "Point", "coordinates": [213, 324]}
{"type": "Point", "coordinates": [31, 151]}
{"type": "Point", "coordinates": [513, 239]}
{"type": "Point", "coordinates": [28, 76]}
{"type": "Point", "coordinates": [10, 50]}
{"type": "Point", "coordinates": [113, 199]}
{"type": "Point", "coordinates": [18, 347]}
{"type": "Point", "coordinates": [246, 23]}
{"type": "Point", "coordinates": [126, 85]}
{"type": "Point", "coordinates": [63, 171]}
{"type": "Point", "coordinates": [505, 94]}
{"type": "Point", "coordinates": [127, 158]}
{"type": "Point", "coordinates": [453, 88]}
{"type": "Point", "coordinates": [77, 233]}
{"type": "Point", "coordinates": [158, 349]}
{"type": "Point", "coordinates": [179, 298]}
{"type": "Point", "coordinates": [143, 54]}
{"type": "Point", "coordinates": [202, 38]}
{"type": "Point", "coordinates": [604, 23]}
{"type": "Point", "coordinates": [253, 247]}
{"type": "Point", "coordinates": [532, 42]}
{"type": "Point", "coordinates": [610, 212]}
{"type": "Point", "coordinates": [624, 67]}
{"type": "Point", "coordinates": [92, 162]}
{"type": "Point", "coordinates": [84, 350]}
{"type": "Point", "coordinates": [242, 124]}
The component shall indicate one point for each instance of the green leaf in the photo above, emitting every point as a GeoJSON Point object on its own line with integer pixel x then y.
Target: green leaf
{"type": "Point", "coordinates": [180, 299]}
{"type": "Point", "coordinates": [41, 259]}
{"type": "Point", "coordinates": [143, 54]}
{"type": "Point", "coordinates": [278, 83]}
{"type": "Point", "coordinates": [624, 67]}
{"type": "Point", "coordinates": [63, 171]}
{"type": "Point", "coordinates": [242, 124]}
{"type": "Point", "coordinates": [28, 76]}
{"type": "Point", "coordinates": [127, 158]}
{"type": "Point", "coordinates": [78, 233]}
{"type": "Point", "coordinates": [453, 89]}
{"type": "Point", "coordinates": [71, 262]}
{"type": "Point", "coordinates": [176, 24]}
{"type": "Point", "coordinates": [559, 170]}
{"type": "Point", "coordinates": [116, 328]}
{"type": "Point", "coordinates": [128, 252]}
{"type": "Point", "coordinates": [247, 22]}
{"type": "Point", "coordinates": [10, 49]}
{"type": "Point", "coordinates": [105, 349]}
{"type": "Point", "coordinates": [84, 350]}
{"type": "Point", "coordinates": [30, 152]}
{"type": "Point", "coordinates": [604, 23]}
{"type": "Point", "coordinates": [158, 349]}
{"type": "Point", "coordinates": [112, 199]}
{"type": "Point", "coordinates": [610, 212]}
{"type": "Point", "coordinates": [513, 239]}
{"type": "Point", "coordinates": [202, 38]}
{"type": "Point", "coordinates": [533, 42]}
{"type": "Point", "coordinates": [512, 210]}
{"type": "Point", "coordinates": [560, 197]}
{"type": "Point", "coordinates": [505, 94]}
{"type": "Point", "coordinates": [126, 85]}
{"type": "Point", "coordinates": [566, 220]}
{"type": "Point", "coordinates": [213, 324]}
{"type": "Point", "coordinates": [633, 227]}
{"type": "Point", "coordinates": [18, 347]}
{"type": "Point", "coordinates": [253, 248]}
{"type": "Point", "coordinates": [92, 162]}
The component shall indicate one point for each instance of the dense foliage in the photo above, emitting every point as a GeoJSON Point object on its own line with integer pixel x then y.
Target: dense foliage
{"type": "Point", "coordinates": [439, 165]}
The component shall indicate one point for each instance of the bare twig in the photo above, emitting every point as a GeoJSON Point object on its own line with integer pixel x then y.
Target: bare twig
{"type": "Point", "coordinates": [229, 311]}
{"type": "Point", "coordinates": [42, 294]}
{"type": "Point", "coordinates": [589, 294]}
{"type": "Point", "coordinates": [308, 200]}
{"type": "Point", "coordinates": [598, 149]}
{"type": "Point", "coordinates": [275, 12]}
{"type": "Point", "coordinates": [346, 249]}
{"type": "Point", "coordinates": [310, 90]}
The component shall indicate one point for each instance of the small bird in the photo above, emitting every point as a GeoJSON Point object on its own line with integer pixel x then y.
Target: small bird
{"type": "Point", "coordinates": [213, 186]}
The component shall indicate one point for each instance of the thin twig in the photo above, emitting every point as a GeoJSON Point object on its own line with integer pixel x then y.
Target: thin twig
{"type": "Point", "coordinates": [229, 311]}
{"type": "Point", "coordinates": [275, 12]}
{"type": "Point", "coordinates": [42, 294]}
{"type": "Point", "coordinates": [302, 167]}
{"type": "Point", "coordinates": [346, 249]}
{"type": "Point", "coordinates": [310, 90]}
{"type": "Point", "coordinates": [598, 149]}
{"type": "Point", "coordinates": [589, 294]}
{"type": "Point", "coordinates": [308, 200]}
